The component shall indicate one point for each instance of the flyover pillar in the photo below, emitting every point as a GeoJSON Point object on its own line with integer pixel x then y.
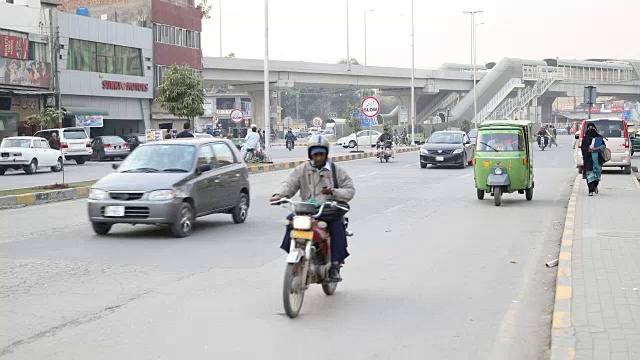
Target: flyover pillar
{"type": "Point", "coordinates": [405, 100]}
{"type": "Point", "coordinates": [546, 104]}
{"type": "Point", "coordinates": [257, 108]}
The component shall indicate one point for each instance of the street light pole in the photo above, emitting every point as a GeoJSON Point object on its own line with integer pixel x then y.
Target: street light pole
{"type": "Point", "coordinates": [220, 23]}
{"type": "Point", "coordinates": [348, 56]}
{"type": "Point", "coordinates": [413, 70]}
{"type": "Point", "coordinates": [473, 63]}
{"type": "Point", "coordinates": [267, 115]}
{"type": "Point", "coordinates": [365, 35]}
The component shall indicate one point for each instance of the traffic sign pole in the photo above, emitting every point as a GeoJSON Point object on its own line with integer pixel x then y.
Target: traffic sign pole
{"type": "Point", "coordinates": [370, 108]}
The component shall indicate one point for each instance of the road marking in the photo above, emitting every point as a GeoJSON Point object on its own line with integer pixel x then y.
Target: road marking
{"type": "Point", "coordinates": [635, 180]}
{"type": "Point", "coordinates": [465, 175]}
{"type": "Point", "coordinates": [365, 175]}
{"type": "Point", "coordinates": [411, 165]}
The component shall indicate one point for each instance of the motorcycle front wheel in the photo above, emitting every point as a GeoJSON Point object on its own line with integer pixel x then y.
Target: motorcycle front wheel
{"type": "Point", "coordinates": [293, 290]}
{"type": "Point", "coordinates": [330, 288]}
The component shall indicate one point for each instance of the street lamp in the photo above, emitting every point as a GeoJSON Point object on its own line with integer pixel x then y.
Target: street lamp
{"type": "Point", "coordinates": [475, 42]}
{"type": "Point", "coordinates": [220, 23]}
{"type": "Point", "coordinates": [267, 115]}
{"type": "Point", "coordinates": [413, 70]}
{"type": "Point", "coordinates": [365, 35]}
{"type": "Point", "coordinates": [348, 57]}
{"type": "Point", "coordinates": [473, 61]}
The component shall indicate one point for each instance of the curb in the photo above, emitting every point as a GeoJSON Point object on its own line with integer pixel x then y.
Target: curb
{"type": "Point", "coordinates": [39, 198]}
{"type": "Point", "coordinates": [563, 339]}
{"type": "Point", "coordinates": [45, 197]}
{"type": "Point", "coordinates": [292, 164]}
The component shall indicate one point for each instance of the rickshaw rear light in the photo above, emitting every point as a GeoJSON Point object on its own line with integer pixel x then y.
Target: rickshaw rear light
{"type": "Point", "coordinates": [525, 161]}
{"type": "Point", "coordinates": [473, 161]}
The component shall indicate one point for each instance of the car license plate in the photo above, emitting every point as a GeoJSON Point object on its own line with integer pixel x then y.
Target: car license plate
{"type": "Point", "coordinates": [439, 158]}
{"type": "Point", "coordinates": [297, 234]}
{"type": "Point", "coordinates": [114, 211]}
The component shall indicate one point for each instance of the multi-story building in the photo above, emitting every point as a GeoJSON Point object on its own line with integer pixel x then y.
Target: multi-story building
{"type": "Point", "coordinates": [26, 80]}
{"type": "Point", "coordinates": [176, 24]}
{"type": "Point", "coordinates": [106, 74]}
{"type": "Point", "coordinates": [217, 111]}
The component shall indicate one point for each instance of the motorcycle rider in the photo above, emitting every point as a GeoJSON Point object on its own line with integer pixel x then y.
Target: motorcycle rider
{"type": "Point", "coordinates": [290, 137]}
{"type": "Point", "coordinates": [314, 180]}
{"type": "Point", "coordinates": [386, 136]}
{"type": "Point", "coordinates": [253, 139]}
{"type": "Point", "coordinates": [543, 133]}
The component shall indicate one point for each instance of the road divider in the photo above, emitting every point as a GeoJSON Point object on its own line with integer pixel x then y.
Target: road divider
{"type": "Point", "coordinates": [38, 196]}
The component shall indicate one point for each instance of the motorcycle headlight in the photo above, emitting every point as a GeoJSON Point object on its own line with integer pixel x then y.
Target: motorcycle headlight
{"type": "Point", "coordinates": [424, 151]}
{"type": "Point", "coordinates": [457, 151]}
{"type": "Point", "coordinates": [497, 171]}
{"type": "Point", "coordinates": [98, 194]}
{"type": "Point", "coordinates": [301, 222]}
{"type": "Point", "coordinates": [159, 195]}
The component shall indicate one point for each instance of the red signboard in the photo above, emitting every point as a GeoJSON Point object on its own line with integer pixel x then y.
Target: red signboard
{"type": "Point", "coordinates": [124, 86]}
{"type": "Point", "coordinates": [14, 47]}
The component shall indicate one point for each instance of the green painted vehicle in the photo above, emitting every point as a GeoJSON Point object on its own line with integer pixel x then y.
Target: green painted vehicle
{"type": "Point", "coordinates": [503, 159]}
{"type": "Point", "coordinates": [634, 136]}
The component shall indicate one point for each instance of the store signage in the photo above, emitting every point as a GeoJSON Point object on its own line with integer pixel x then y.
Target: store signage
{"type": "Point", "coordinates": [124, 86]}
{"type": "Point", "coordinates": [14, 47]}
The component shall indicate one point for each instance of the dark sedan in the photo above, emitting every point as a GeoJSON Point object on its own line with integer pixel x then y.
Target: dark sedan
{"type": "Point", "coordinates": [447, 148]}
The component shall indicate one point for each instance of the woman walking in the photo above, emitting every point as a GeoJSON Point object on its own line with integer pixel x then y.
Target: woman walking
{"type": "Point", "coordinates": [592, 146]}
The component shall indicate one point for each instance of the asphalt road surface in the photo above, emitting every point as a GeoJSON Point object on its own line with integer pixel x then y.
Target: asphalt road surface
{"type": "Point", "coordinates": [429, 277]}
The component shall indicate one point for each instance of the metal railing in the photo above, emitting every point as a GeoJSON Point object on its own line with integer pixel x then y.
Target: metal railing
{"type": "Point", "coordinates": [531, 72]}
{"type": "Point", "coordinates": [496, 100]}
{"type": "Point", "coordinates": [524, 97]}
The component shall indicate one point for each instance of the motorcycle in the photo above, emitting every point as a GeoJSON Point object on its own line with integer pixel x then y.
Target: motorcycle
{"type": "Point", "coordinates": [290, 145]}
{"type": "Point", "coordinates": [385, 152]}
{"type": "Point", "coordinates": [543, 142]}
{"type": "Point", "coordinates": [309, 259]}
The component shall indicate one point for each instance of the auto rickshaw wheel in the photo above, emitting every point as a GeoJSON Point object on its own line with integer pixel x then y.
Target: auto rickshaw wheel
{"type": "Point", "coordinates": [528, 193]}
{"type": "Point", "coordinates": [480, 194]}
{"type": "Point", "coordinates": [580, 169]}
{"type": "Point", "coordinates": [497, 196]}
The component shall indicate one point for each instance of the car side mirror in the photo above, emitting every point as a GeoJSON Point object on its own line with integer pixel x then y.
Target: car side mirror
{"type": "Point", "coordinates": [632, 135]}
{"type": "Point", "coordinates": [577, 136]}
{"type": "Point", "coordinates": [468, 142]}
{"type": "Point", "coordinates": [115, 166]}
{"type": "Point", "coordinates": [204, 168]}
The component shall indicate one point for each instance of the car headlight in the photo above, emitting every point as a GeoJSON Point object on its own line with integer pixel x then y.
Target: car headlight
{"type": "Point", "coordinates": [457, 151]}
{"type": "Point", "coordinates": [497, 171]}
{"type": "Point", "coordinates": [98, 194]}
{"type": "Point", "coordinates": [424, 151]}
{"type": "Point", "coordinates": [159, 195]}
{"type": "Point", "coordinates": [301, 222]}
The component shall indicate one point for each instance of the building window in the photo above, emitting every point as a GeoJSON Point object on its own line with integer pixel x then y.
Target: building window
{"type": "Point", "coordinates": [38, 51]}
{"type": "Point", "coordinates": [176, 36]}
{"type": "Point", "coordinates": [107, 58]}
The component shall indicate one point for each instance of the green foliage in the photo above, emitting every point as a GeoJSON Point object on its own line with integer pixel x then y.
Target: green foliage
{"type": "Point", "coordinates": [352, 122]}
{"type": "Point", "coordinates": [231, 55]}
{"type": "Point", "coordinates": [353, 61]}
{"type": "Point", "coordinates": [46, 118]}
{"type": "Point", "coordinates": [205, 8]}
{"type": "Point", "coordinates": [181, 93]}
{"type": "Point", "coordinates": [466, 126]}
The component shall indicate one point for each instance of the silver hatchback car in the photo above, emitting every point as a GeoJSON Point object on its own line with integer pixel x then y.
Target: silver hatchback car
{"type": "Point", "coordinates": [172, 182]}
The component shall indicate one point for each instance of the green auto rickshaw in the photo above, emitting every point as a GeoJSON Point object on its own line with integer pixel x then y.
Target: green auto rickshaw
{"type": "Point", "coordinates": [503, 159]}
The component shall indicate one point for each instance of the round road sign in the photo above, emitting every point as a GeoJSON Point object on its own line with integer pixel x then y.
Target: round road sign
{"type": "Point", "coordinates": [317, 121]}
{"type": "Point", "coordinates": [236, 116]}
{"type": "Point", "coordinates": [370, 106]}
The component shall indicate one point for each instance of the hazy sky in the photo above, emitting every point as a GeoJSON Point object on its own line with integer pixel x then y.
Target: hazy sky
{"type": "Point", "coordinates": [306, 30]}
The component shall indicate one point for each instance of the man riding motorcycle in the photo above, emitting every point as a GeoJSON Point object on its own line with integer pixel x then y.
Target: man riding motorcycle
{"type": "Point", "coordinates": [253, 139]}
{"type": "Point", "coordinates": [290, 137]}
{"type": "Point", "coordinates": [386, 136]}
{"type": "Point", "coordinates": [315, 181]}
{"type": "Point", "coordinates": [543, 133]}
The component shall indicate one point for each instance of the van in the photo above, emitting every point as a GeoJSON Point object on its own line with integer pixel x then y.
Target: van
{"type": "Point", "coordinates": [616, 135]}
{"type": "Point", "coordinates": [74, 143]}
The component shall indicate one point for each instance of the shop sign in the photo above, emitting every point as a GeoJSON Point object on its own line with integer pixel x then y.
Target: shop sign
{"type": "Point", "coordinates": [89, 121]}
{"type": "Point", "coordinates": [25, 73]}
{"type": "Point", "coordinates": [14, 47]}
{"type": "Point", "coordinates": [124, 86]}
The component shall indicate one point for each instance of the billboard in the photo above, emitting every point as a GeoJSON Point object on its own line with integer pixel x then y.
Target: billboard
{"type": "Point", "coordinates": [89, 121]}
{"type": "Point", "coordinates": [14, 47]}
{"type": "Point", "coordinates": [25, 73]}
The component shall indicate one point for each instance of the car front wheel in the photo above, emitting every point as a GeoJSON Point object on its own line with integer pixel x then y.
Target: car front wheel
{"type": "Point", "coordinates": [183, 226]}
{"type": "Point", "coordinates": [101, 228]}
{"type": "Point", "coordinates": [241, 210]}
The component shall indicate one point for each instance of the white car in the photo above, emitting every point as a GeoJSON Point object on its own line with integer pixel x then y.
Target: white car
{"type": "Point", "coordinates": [364, 138]}
{"type": "Point", "coordinates": [74, 143]}
{"type": "Point", "coordinates": [28, 153]}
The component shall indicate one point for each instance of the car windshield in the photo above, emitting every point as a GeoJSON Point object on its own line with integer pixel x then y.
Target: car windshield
{"type": "Point", "coordinates": [445, 138]}
{"type": "Point", "coordinates": [608, 128]}
{"type": "Point", "coordinates": [75, 134]}
{"type": "Point", "coordinates": [156, 158]}
{"type": "Point", "coordinates": [502, 140]}
{"type": "Point", "coordinates": [19, 143]}
{"type": "Point", "coordinates": [112, 140]}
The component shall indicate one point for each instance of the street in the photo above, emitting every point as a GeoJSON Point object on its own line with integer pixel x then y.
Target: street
{"type": "Point", "coordinates": [429, 277]}
{"type": "Point", "coordinates": [93, 170]}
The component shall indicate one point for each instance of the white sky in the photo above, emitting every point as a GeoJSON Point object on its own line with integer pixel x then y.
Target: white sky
{"type": "Point", "coordinates": [306, 30]}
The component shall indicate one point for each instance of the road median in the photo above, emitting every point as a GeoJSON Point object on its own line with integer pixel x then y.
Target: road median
{"type": "Point", "coordinates": [51, 193]}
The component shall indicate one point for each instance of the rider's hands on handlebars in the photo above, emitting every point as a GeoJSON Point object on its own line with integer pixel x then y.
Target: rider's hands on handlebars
{"type": "Point", "coordinates": [275, 198]}
{"type": "Point", "coordinates": [327, 191]}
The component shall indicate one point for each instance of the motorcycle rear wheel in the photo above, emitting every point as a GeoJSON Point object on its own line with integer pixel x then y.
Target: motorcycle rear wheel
{"type": "Point", "coordinates": [292, 298]}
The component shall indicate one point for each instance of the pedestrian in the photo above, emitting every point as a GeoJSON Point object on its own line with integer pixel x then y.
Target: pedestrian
{"type": "Point", "coordinates": [185, 133]}
{"type": "Point", "coordinates": [592, 146]}
{"type": "Point", "coordinates": [54, 142]}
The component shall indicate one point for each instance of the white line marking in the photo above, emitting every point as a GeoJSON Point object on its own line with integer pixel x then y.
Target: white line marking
{"type": "Point", "coordinates": [412, 164]}
{"type": "Point", "coordinates": [635, 179]}
{"type": "Point", "coordinates": [365, 175]}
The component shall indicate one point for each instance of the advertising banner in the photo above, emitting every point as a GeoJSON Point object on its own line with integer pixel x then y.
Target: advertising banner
{"type": "Point", "coordinates": [89, 121]}
{"type": "Point", "coordinates": [25, 73]}
{"type": "Point", "coordinates": [14, 47]}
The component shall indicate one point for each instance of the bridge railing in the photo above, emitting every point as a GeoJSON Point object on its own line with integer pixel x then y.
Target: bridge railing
{"type": "Point", "coordinates": [497, 99]}
{"type": "Point", "coordinates": [532, 72]}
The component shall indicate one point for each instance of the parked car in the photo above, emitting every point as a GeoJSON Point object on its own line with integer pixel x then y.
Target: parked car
{"type": "Point", "coordinates": [363, 138]}
{"type": "Point", "coordinates": [74, 143]}
{"type": "Point", "coordinates": [110, 148]}
{"type": "Point", "coordinates": [172, 182]}
{"type": "Point", "coordinates": [28, 153]}
{"type": "Point", "coordinates": [447, 148]}
{"type": "Point", "coordinates": [135, 140]}
{"type": "Point", "coordinates": [202, 136]}
{"type": "Point", "coordinates": [617, 139]}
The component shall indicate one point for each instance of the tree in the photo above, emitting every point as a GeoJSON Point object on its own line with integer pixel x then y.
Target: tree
{"type": "Point", "coordinates": [46, 118]}
{"type": "Point", "coordinates": [466, 126]}
{"type": "Point", "coordinates": [205, 8]}
{"type": "Point", "coordinates": [353, 122]}
{"type": "Point", "coordinates": [181, 93]}
{"type": "Point", "coordinates": [353, 61]}
{"type": "Point", "coordinates": [231, 55]}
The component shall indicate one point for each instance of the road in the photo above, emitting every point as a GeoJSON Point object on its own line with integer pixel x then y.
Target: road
{"type": "Point", "coordinates": [93, 170]}
{"type": "Point", "coordinates": [429, 278]}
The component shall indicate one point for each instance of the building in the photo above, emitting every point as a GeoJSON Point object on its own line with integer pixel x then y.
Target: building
{"type": "Point", "coordinates": [217, 111]}
{"type": "Point", "coordinates": [176, 24]}
{"type": "Point", "coordinates": [106, 74]}
{"type": "Point", "coordinates": [26, 80]}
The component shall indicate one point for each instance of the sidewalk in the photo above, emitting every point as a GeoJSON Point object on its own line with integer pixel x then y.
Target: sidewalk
{"type": "Point", "coordinates": [597, 308]}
